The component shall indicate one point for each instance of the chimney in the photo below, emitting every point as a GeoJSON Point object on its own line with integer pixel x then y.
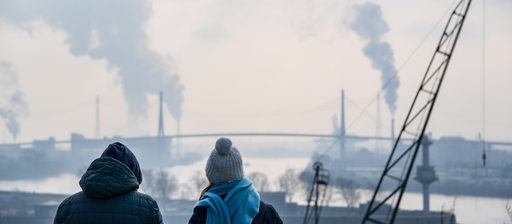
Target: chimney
{"type": "Point", "coordinates": [161, 117]}
{"type": "Point", "coordinates": [392, 132]}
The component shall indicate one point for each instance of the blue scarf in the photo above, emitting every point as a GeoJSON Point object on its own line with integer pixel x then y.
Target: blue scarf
{"type": "Point", "coordinates": [240, 205]}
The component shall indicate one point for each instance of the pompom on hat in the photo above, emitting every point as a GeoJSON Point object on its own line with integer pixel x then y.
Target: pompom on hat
{"type": "Point", "coordinates": [225, 163]}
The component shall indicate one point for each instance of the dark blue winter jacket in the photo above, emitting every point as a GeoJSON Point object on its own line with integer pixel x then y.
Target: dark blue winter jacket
{"type": "Point", "coordinates": [109, 195]}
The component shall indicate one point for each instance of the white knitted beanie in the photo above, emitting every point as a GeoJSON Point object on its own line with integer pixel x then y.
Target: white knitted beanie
{"type": "Point", "coordinates": [225, 163]}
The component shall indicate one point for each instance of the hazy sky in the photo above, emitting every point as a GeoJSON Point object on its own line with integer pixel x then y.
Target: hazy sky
{"type": "Point", "coordinates": [243, 66]}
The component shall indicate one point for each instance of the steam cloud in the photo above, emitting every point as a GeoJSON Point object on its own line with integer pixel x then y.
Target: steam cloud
{"type": "Point", "coordinates": [369, 25]}
{"type": "Point", "coordinates": [15, 104]}
{"type": "Point", "coordinates": [111, 30]}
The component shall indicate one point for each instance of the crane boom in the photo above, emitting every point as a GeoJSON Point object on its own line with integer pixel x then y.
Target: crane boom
{"type": "Point", "coordinates": [400, 162]}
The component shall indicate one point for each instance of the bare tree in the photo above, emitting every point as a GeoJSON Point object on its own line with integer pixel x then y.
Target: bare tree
{"type": "Point", "coordinates": [289, 183]}
{"type": "Point", "coordinates": [329, 194]}
{"type": "Point", "coordinates": [349, 191]}
{"type": "Point", "coordinates": [148, 182]}
{"type": "Point", "coordinates": [370, 187]}
{"type": "Point", "coordinates": [186, 191]}
{"type": "Point", "coordinates": [260, 181]}
{"type": "Point", "coordinates": [508, 207]}
{"type": "Point", "coordinates": [165, 184]}
{"type": "Point", "coordinates": [198, 182]}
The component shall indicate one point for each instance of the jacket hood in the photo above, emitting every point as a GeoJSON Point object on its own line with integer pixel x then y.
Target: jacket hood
{"type": "Point", "coordinates": [122, 153]}
{"type": "Point", "coordinates": [107, 177]}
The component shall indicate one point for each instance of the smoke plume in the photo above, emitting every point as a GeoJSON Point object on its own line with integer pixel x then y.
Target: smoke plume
{"type": "Point", "coordinates": [14, 104]}
{"type": "Point", "coordinates": [370, 26]}
{"type": "Point", "coordinates": [113, 30]}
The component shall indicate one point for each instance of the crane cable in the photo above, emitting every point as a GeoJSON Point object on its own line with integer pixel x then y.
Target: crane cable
{"type": "Point", "coordinates": [484, 157]}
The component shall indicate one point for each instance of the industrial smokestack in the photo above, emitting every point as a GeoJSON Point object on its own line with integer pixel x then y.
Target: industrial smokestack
{"type": "Point", "coordinates": [392, 132]}
{"type": "Point", "coordinates": [160, 116]}
{"type": "Point", "coordinates": [97, 129]}
{"type": "Point", "coordinates": [178, 141]}
{"type": "Point", "coordinates": [342, 119]}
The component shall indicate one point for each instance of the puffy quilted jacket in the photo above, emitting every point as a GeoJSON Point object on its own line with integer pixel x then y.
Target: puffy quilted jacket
{"type": "Point", "coordinates": [109, 195]}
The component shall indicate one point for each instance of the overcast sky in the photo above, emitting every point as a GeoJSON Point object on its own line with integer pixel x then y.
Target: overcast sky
{"type": "Point", "coordinates": [244, 66]}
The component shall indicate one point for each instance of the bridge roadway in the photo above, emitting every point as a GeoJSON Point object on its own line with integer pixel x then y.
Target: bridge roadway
{"type": "Point", "coordinates": [248, 134]}
{"type": "Point", "coordinates": [205, 135]}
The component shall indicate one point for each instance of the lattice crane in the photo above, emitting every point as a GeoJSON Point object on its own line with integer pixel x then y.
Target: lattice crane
{"type": "Point", "coordinates": [399, 165]}
{"type": "Point", "coordinates": [317, 194]}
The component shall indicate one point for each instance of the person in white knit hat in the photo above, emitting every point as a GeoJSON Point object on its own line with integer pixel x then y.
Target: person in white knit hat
{"type": "Point", "coordinates": [230, 197]}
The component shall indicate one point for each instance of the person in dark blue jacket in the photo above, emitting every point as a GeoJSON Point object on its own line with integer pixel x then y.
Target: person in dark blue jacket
{"type": "Point", "coordinates": [109, 193]}
{"type": "Point", "coordinates": [230, 197]}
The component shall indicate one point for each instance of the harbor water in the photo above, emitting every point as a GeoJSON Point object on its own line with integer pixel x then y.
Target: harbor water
{"type": "Point", "coordinates": [468, 209]}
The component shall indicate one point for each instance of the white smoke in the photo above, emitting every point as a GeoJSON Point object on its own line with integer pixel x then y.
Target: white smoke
{"type": "Point", "coordinates": [13, 104]}
{"type": "Point", "coordinates": [370, 26]}
{"type": "Point", "coordinates": [113, 30]}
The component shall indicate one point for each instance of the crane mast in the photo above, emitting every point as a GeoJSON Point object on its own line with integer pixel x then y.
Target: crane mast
{"type": "Point", "coordinates": [320, 182]}
{"type": "Point", "coordinates": [385, 204]}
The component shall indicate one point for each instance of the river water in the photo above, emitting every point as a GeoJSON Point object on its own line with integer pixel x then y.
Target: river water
{"type": "Point", "coordinates": [468, 210]}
